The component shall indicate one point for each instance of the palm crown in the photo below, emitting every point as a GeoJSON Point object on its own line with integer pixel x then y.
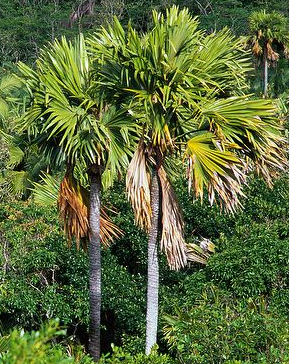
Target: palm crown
{"type": "Point", "coordinates": [268, 30]}
{"type": "Point", "coordinates": [187, 91]}
{"type": "Point", "coordinates": [72, 125]}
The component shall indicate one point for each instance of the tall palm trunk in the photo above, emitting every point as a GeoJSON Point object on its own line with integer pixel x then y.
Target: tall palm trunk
{"type": "Point", "coordinates": [265, 71]}
{"type": "Point", "coordinates": [153, 266]}
{"type": "Point", "coordinates": [95, 265]}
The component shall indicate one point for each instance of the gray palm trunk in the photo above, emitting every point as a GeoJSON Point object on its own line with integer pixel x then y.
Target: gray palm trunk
{"type": "Point", "coordinates": [265, 71]}
{"type": "Point", "coordinates": [153, 266]}
{"type": "Point", "coordinates": [95, 266]}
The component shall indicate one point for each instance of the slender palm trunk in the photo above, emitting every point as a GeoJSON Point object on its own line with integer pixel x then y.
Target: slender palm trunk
{"type": "Point", "coordinates": [265, 72]}
{"type": "Point", "coordinates": [95, 266]}
{"type": "Point", "coordinates": [153, 266]}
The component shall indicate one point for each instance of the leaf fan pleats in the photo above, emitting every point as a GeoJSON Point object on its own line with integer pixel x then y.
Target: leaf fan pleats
{"type": "Point", "coordinates": [217, 170]}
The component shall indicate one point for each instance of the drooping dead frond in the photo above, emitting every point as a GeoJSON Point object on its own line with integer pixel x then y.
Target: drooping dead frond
{"type": "Point", "coordinates": [200, 253]}
{"type": "Point", "coordinates": [73, 209]}
{"type": "Point", "coordinates": [73, 202]}
{"type": "Point", "coordinates": [271, 54]}
{"type": "Point", "coordinates": [228, 188]}
{"type": "Point", "coordinates": [256, 48]}
{"type": "Point", "coordinates": [270, 160]}
{"type": "Point", "coordinates": [138, 187]}
{"type": "Point", "coordinates": [108, 230]}
{"type": "Point", "coordinates": [172, 239]}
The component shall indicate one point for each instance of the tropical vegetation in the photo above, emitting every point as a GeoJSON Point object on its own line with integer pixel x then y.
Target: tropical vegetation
{"type": "Point", "coordinates": [146, 135]}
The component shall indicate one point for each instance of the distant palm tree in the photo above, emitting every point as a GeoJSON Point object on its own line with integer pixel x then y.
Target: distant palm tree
{"type": "Point", "coordinates": [269, 35]}
{"type": "Point", "coordinates": [186, 91]}
{"type": "Point", "coordinates": [72, 125]}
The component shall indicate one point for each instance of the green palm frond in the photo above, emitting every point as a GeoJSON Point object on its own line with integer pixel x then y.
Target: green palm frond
{"type": "Point", "coordinates": [248, 125]}
{"type": "Point", "coordinates": [16, 155]}
{"type": "Point", "coordinates": [218, 170]}
{"type": "Point", "coordinates": [8, 85]}
{"type": "Point", "coordinates": [18, 181]}
{"type": "Point", "coordinates": [65, 111]}
{"type": "Point", "coordinates": [46, 191]}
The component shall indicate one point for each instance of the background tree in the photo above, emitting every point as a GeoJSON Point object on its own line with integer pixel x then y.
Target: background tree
{"type": "Point", "coordinates": [269, 36]}
{"type": "Point", "coordinates": [188, 96]}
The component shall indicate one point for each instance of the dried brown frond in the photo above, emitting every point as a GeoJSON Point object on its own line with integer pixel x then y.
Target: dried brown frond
{"type": "Point", "coordinates": [172, 239]}
{"type": "Point", "coordinates": [270, 158]}
{"type": "Point", "coordinates": [73, 202]}
{"type": "Point", "coordinates": [256, 49]}
{"type": "Point", "coordinates": [73, 209]}
{"type": "Point", "coordinates": [200, 253]}
{"type": "Point", "coordinates": [271, 54]}
{"type": "Point", "coordinates": [138, 187]}
{"type": "Point", "coordinates": [108, 230]}
{"type": "Point", "coordinates": [227, 186]}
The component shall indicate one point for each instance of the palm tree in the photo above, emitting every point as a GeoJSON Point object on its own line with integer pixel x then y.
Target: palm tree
{"type": "Point", "coordinates": [269, 34]}
{"type": "Point", "coordinates": [186, 90]}
{"type": "Point", "coordinates": [73, 126]}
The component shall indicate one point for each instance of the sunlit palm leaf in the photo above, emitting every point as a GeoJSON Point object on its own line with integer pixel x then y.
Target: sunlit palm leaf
{"type": "Point", "coordinates": [250, 127]}
{"type": "Point", "coordinates": [46, 191]}
{"type": "Point", "coordinates": [215, 169]}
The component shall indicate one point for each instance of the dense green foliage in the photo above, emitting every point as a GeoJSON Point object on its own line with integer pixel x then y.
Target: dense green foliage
{"type": "Point", "coordinates": [218, 329]}
{"type": "Point", "coordinates": [243, 289]}
{"type": "Point", "coordinates": [37, 348]}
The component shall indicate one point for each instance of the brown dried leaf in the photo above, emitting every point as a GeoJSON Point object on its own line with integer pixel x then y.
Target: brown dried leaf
{"type": "Point", "coordinates": [138, 187]}
{"type": "Point", "coordinates": [73, 202]}
{"type": "Point", "coordinates": [172, 239]}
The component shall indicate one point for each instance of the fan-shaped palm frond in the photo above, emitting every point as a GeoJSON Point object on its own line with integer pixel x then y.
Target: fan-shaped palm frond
{"type": "Point", "coordinates": [45, 192]}
{"type": "Point", "coordinates": [212, 167]}
{"type": "Point", "coordinates": [8, 84]}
